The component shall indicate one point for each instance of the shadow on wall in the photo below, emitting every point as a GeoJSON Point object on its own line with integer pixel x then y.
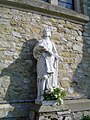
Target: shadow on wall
{"type": "Point", "coordinates": [22, 73]}
{"type": "Point", "coordinates": [81, 78]}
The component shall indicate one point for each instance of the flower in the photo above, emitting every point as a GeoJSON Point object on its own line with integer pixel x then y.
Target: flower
{"type": "Point", "coordinates": [62, 89]}
{"type": "Point", "coordinates": [51, 89]}
{"type": "Point", "coordinates": [46, 91]}
{"type": "Point", "coordinates": [56, 96]}
{"type": "Point", "coordinates": [57, 86]}
{"type": "Point", "coordinates": [55, 93]}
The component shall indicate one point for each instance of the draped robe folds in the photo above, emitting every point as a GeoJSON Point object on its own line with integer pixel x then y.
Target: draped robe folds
{"type": "Point", "coordinates": [47, 65]}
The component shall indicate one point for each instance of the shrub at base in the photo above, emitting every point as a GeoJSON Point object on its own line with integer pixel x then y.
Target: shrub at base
{"type": "Point", "coordinates": [55, 93]}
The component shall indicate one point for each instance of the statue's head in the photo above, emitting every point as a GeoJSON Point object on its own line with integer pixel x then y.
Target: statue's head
{"type": "Point", "coordinates": [47, 32]}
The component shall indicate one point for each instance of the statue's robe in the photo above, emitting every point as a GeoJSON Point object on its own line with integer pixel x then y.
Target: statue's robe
{"type": "Point", "coordinates": [47, 65]}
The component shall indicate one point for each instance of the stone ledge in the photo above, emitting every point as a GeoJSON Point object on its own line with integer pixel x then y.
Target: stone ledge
{"type": "Point", "coordinates": [73, 105]}
{"type": "Point", "coordinates": [48, 9]}
{"type": "Point", "coordinates": [11, 110]}
{"type": "Point", "coordinates": [14, 110]}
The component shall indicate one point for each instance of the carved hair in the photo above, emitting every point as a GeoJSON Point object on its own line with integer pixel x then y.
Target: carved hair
{"type": "Point", "coordinates": [45, 30]}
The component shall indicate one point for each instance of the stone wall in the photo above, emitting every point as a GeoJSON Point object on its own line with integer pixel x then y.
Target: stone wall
{"type": "Point", "coordinates": [86, 50]}
{"type": "Point", "coordinates": [19, 32]}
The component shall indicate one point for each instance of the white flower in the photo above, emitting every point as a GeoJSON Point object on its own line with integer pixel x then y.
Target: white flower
{"type": "Point", "coordinates": [61, 100]}
{"type": "Point", "coordinates": [58, 86]}
{"type": "Point", "coordinates": [56, 96]}
{"type": "Point", "coordinates": [46, 91]}
{"type": "Point", "coordinates": [62, 89]}
{"type": "Point", "coordinates": [59, 94]}
{"type": "Point", "coordinates": [51, 89]}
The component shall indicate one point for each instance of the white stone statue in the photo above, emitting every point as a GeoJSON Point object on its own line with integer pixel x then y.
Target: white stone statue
{"type": "Point", "coordinates": [47, 64]}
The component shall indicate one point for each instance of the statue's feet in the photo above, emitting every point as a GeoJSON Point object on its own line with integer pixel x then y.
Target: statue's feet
{"type": "Point", "coordinates": [42, 99]}
{"type": "Point", "coordinates": [39, 100]}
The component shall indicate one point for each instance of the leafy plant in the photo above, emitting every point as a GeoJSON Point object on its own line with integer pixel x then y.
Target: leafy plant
{"type": "Point", "coordinates": [55, 93]}
{"type": "Point", "coordinates": [85, 117]}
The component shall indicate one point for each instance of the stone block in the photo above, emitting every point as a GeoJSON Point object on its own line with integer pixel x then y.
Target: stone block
{"type": "Point", "coordinates": [16, 34]}
{"type": "Point", "coordinates": [77, 47]}
{"type": "Point", "coordinates": [49, 103]}
{"type": "Point", "coordinates": [65, 84]}
{"type": "Point", "coordinates": [54, 2]}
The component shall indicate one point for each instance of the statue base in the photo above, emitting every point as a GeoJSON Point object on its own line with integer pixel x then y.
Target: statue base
{"type": "Point", "coordinates": [46, 103]}
{"type": "Point", "coordinates": [49, 103]}
{"type": "Point", "coordinates": [37, 101]}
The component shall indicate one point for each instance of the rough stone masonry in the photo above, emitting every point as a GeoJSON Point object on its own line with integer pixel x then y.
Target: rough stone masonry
{"type": "Point", "coordinates": [19, 32]}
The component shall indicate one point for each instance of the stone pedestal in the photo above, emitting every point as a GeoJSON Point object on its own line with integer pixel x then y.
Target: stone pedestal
{"type": "Point", "coordinates": [47, 103]}
{"type": "Point", "coordinates": [54, 115]}
{"type": "Point", "coordinates": [70, 110]}
{"type": "Point", "coordinates": [50, 113]}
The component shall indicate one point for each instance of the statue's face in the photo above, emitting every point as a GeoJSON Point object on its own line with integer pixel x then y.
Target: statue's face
{"type": "Point", "coordinates": [47, 33]}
